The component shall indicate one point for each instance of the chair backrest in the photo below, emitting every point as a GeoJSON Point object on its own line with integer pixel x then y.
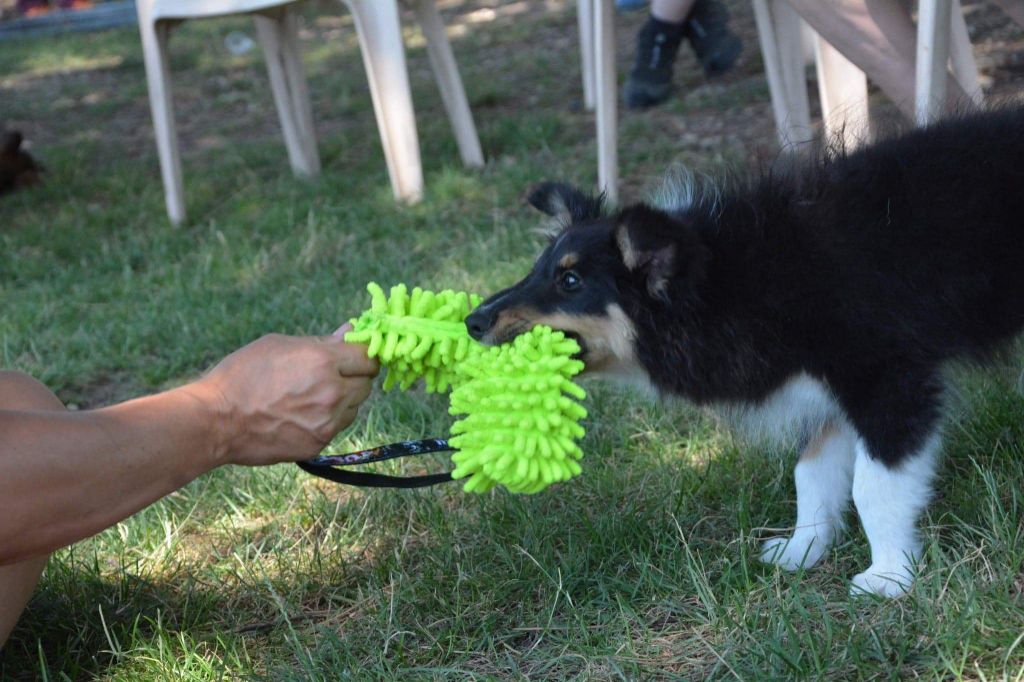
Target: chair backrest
{"type": "Point", "coordinates": [155, 10]}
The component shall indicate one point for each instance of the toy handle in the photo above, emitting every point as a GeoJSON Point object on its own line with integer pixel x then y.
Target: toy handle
{"type": "Point", "coordinates": [325, 466]}
{"type": "Point", "coordinates": [367, 480]}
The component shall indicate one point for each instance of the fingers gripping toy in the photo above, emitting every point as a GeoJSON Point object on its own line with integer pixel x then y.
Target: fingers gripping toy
{"type": "Point", "coordinates": [519, 419]}
{"type": "Point", "coordinates": [422, 336]}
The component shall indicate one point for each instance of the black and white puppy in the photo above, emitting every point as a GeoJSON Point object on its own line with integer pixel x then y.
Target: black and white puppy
{"type": "Point", "coordinates": [823, 301]}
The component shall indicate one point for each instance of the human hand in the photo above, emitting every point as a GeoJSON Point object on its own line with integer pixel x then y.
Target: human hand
{"type": "Point", "coordinates": [283, 398]}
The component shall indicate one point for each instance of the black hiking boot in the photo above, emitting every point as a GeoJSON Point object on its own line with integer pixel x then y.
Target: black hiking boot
{"type": "Point", "coordinates": [650, 81]}
{"type": "Point", "coordinates": [707, 29]}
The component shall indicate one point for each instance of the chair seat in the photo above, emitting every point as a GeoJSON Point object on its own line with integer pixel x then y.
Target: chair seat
{"type": "Point", "coordinates": [187, 9]}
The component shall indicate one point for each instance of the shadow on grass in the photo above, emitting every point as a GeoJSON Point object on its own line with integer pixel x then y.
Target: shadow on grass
{"type": "Point", "coordinates": [643, 568]}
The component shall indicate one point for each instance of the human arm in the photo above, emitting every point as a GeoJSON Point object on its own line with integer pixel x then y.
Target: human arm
{"type": "Point", "coordinates": [67, 475]}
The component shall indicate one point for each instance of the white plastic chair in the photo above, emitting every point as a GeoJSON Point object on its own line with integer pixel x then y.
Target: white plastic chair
{"type": "Point", "coordinates": [842, 87]}
{"type": "Point", "coordinates": [446, 73]}
{"type": "Point", "coordinates": [941, 37]}
{"type": "Point", "coordinates": [379, 30]}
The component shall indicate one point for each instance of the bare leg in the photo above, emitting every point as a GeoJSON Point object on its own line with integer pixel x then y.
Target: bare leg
{"type": "Point", "coordinates": [17, 581]}
{"type": "Point", "coordinates": [824, 479]}
{"type": "Point", "coordinates": [880, 38]}
{"type": "Point", "coordinates": [672, 11]}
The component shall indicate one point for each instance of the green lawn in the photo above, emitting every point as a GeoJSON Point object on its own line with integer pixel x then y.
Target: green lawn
{"type": "Point", "coordinates": [642, 568]}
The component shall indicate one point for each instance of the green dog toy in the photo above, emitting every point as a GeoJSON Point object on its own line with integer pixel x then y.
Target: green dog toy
{"type": "Point", "coordinates": [519, 419]}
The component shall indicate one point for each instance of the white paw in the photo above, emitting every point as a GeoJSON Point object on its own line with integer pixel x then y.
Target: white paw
{"type": "Point", "coordinates": [889, 581]}
{"type": "Point", "coordinates": [793, 552]}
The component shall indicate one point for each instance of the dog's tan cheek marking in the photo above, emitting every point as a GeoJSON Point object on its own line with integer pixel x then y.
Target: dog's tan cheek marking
{"type": "Point", "coordinates": [612, 333]}
{"type": "Point", "coordinates": [578, 324]}
{"type": "Point", "coordinates": [584, 325]}
{"type": "Point", "coordinates": [817, 443]}
{"type": "Point", "coordinates": [510, 318]}
{"type": "Point", "coordinates": [568, 260]}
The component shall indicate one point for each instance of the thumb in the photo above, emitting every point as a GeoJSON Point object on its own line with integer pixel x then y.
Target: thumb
{"type": "Point", "coordinates": [339, 333]}
{"type": "Point", "coordinates": [351, 358]}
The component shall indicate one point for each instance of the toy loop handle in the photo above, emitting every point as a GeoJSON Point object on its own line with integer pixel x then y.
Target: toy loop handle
{"type": "Point", "coordinates": [326, 466]}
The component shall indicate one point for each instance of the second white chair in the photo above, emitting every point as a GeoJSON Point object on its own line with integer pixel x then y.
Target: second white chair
{"type": "Point", "coordinates": [842, 87]}
{"type": "Point", "coordinates": [379, 31]}
{"type": "Point", "coordinates": [942, 38]}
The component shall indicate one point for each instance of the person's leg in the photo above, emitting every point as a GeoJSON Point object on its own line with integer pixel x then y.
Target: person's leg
{"type": "Point", "coordinates": [707, 28]}
{"type": "Point", "coordinates": [879, 37]}
{"type": "Point", "coordinates": [17, 581]}
{"type": "Point", "coordinates": [657, 43]}
{"type": "Point", "coordinates": [703, 22]}
{"type": "Point", "coordinates": [671, 11]}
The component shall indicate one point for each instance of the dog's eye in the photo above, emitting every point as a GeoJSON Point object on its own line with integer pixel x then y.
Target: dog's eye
{"type": "Point", "coordinates": [570, 281]}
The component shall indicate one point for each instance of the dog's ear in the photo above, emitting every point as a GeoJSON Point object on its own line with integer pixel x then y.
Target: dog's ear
{"type": "Point", "coordinates": [564, 203]}
{"type": "Point", "coordinates": [11, 143]}
{"type": "Point", "coordinates": [658, 247]}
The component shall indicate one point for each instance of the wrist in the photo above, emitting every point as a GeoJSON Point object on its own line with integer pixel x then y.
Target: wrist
{"type": "Point", "coordinates": [214, 414]}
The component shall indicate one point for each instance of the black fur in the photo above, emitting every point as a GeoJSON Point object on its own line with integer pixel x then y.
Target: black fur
{"type": "Point", "coordinates": [17, 167]}
{"type": "Point", "coordinates": [868, 271]}
{"type": "Point", "coordinates": [565, 202]}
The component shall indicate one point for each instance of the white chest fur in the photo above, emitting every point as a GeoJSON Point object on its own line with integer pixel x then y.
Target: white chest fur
{"type": "Point", "coordinates": [799, 408]}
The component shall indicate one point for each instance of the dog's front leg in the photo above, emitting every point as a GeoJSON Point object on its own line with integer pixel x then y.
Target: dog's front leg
{"type": "Point", "coordinates": [889, 500]}
{"type": "Point", "coordinates": [823, 476]}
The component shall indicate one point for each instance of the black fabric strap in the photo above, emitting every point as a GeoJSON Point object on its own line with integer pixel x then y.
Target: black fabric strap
{"type": "Point", "coordinates": [368, 480]}
{"type": "Point", "coordinates": [330, 466]}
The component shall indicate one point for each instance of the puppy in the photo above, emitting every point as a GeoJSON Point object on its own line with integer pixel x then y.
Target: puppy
{"type": "Point", "coordinates": [17, 167]}
{"type": "Point", "coordinates": [823, 301]}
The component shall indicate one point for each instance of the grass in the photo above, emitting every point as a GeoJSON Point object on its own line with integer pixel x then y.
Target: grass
{"type": "Point", "coordinates": [643, 568]}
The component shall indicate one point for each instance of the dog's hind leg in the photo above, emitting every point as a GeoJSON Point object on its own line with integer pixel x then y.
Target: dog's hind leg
{"type": "Point", "coordinates": [824, 477]}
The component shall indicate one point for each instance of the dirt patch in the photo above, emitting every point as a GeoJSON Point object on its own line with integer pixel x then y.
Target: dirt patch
{"type": "Point", "coordinates": [101, 391]}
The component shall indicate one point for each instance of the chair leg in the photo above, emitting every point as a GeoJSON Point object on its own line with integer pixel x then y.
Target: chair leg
{"type": "Point", "coordinates": [933, 31]}
{"type": "Point", "coordinates": [585, 18]}
{"type": "Point", "coordinates": [843, 89]}
{"type": "Point", "coordinates": [154, 51]}
{"type": "Point", "coordinates": [607, 94]}
{"type": "Point", "coordinates": [271, 30]}
{"type": "Point", "coordinates": [446, 73]}
{"type": "Point", "coordinates": [791, 31]}
{"type": "Point", "coordinates": [780, 32]}
{"type": "Point", "coordinates": [380, 37]}
{"type": "Point", "coordinates": [300, 92]}
{"type": "Point", "coordinates": [962, 55]}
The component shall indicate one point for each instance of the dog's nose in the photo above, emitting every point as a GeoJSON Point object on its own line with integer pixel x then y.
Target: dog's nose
{"type": "Point", "coordinates": [479, 323]}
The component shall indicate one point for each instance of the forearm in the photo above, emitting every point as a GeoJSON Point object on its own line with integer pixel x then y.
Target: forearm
{"type": "Point", "coordinates": [65, 476]}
